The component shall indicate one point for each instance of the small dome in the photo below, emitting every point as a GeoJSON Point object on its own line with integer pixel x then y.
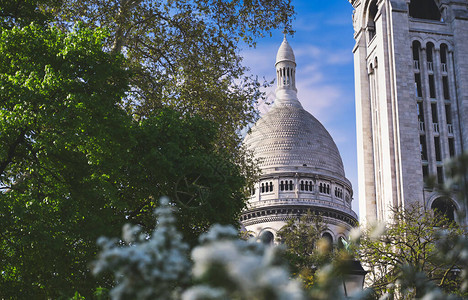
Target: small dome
{"type": "Point", "coordinates": [289, 136]}
{"type": "Point", "coordinates": [285, 52]}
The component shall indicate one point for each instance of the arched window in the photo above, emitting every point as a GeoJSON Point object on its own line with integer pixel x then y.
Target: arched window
{"type": "Point", "coordinates": [416, 52]}
{"type": "Point", "coordinates": [282, 185]}
{"type": "Point", "coordinates": [263, 188]}
{"type": "Point", "coordinates": [443, 53]}
{"type": "Point", "coordinates": [373, 9]}
{"type": "Point", "coordinates": [328, 237]}
{"type": "Point", "coordinates": [290, 185]}
{"type": "Point", "coordinates": [271, 186]}
{"type": "Point", "coordinates": [424, 9]}
{"type": "Point", "coordinates": [443, 57]}
{"type": "Point", "coordinates": [267, 237]}
{"type": "Point", "coordinates": [341, 242]}
{"type": "Point", "coordinates": [444, 207]}
{"type": "Point", "coordinates": [302, 185]}
{"type": "Point", "coordinates": [429, 52]}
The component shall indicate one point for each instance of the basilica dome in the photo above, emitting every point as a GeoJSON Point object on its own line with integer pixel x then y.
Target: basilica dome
{"type": "Point", "coordinates": [301, 167]}
{"type": "Point", "coordinates": [289, 136]}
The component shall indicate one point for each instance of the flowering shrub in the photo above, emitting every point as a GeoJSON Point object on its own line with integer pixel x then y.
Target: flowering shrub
{"type": "Point", "coordinates": [224, 267]}
{"type": "Point", "coordinates": [158, 266]}
{"type": "Point", "coordinates": [145, 267]}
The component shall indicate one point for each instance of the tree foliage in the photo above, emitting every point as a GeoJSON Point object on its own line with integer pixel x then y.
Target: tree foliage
{"type": "Point", "coordinates": [61, 134]}
{"type": "Point", "coordinates": [220, 267]}
{"type": "Point", "coordinates": [407, 251]}
{"type": "Point", "coordinates": [185, 54]}
{"type": "Point", "coordinates": [175, 155]}
{"type": "Point", "coordinates": [306, 250]}
{"type": "Point", "coordinates": [75, 166]}
{"type": "Point", "coordinates": [23, 12]}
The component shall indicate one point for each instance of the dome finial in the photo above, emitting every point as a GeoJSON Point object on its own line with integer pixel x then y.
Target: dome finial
{"type": "Point", "coordinates": [285, 52]}
{"type": "Point", "coordinates": [286, 92]}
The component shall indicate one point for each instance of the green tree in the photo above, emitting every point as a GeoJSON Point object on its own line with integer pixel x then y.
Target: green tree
{"type": "Point", "coordinates": [75, 166]}
{"type": "Point", "coordinates": [306, 251]}
{"type": "Point", "coordinates": [176, 156]}
{"type": "Point", "coordinates": [61, 135]}
{"type": "Point", "coordinates": [407, 251]}
{"type": "Point", "coordinates": [185, 54]}
{"type": "Point", "coordinates": [23, 12]}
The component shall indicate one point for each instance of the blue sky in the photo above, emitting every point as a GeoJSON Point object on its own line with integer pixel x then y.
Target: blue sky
{"type": "Point", "coordinates": [323, 45]}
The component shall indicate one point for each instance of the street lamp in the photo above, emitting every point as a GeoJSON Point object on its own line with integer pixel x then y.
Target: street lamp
{"type": "Point", "coordinates": [353, 280]}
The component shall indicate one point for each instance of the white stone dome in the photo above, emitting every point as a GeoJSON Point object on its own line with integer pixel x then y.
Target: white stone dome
{"type": "Point", "coordinates": [301, 167]}
{"type": "Point", "coordinates": [285, 52]}
{"type": "Point", "coordinates": [289, 137]}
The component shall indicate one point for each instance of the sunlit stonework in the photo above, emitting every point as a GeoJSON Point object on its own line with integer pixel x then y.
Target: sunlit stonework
{"type": "Point", "coordinates": [411, 79]}
{"type": "Point", "coordinates": [301, 166]}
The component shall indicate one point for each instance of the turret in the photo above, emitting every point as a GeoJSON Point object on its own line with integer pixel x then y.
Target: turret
{"type": "Point", "coordinates": [286, 92]}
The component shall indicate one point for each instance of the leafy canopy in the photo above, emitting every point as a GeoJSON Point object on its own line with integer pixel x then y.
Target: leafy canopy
{"type": "Point", "coordinates": [185, 53]}
{"type": "Point", "coordinates": [61, 135]}
{"type": "Point", "coordinates": [75, 166]}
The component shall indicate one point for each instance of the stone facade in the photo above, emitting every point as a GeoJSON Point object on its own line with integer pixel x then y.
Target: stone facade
{"type": "Point", "coordinates": [411, 84]}
{"type": "Point", "coordinates": [301, 167]}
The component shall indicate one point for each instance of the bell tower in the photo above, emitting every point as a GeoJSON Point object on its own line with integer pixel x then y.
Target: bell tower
{"type": "Point", "coordinates": [411, 85]}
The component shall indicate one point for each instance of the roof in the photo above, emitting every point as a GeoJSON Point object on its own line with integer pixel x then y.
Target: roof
{"type": "Point", "coordinates": [289, 136]}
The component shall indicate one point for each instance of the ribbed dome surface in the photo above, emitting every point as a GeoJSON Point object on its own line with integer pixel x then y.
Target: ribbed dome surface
{"type": "Point", "coordinates": [289, 136]}
{"type": "Point", "coordinates": [285, 52]}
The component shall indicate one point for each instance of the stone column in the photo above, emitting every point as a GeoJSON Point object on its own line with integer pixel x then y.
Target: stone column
{"type": "Point", "coordinates": [454, 102]}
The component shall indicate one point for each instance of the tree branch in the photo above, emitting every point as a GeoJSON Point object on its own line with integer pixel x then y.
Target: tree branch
{"type": "Point", "coordinates": [11, 151]}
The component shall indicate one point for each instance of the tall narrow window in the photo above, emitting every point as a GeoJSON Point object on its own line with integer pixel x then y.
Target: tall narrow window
{"type": "Point", "coordinates": [302, 186]}
{"type": "Point", "coordinates": [437, 148]}
{"type": "Point", "coordinates": [445, 85]}
{"type": "Point", "coordinates": [423, 147]}
{"type": "Point", "coordinates": [420, 107]}
{"type": "Point", "coordinates": [443, 57]}
{"type": "Point", "coordinates": [416, 48]}
{"type": "Point", "coordinates": [432, 91]}
{"type": "Point", "coordinates": [290, 185]}
{"type": "Point", "coordinates": [435, 117]}
{"type": "Point", "coordinates": [263, 188]}
{"type": "Point", "coordinates": [271, 186]}
{"type": "Point", "coordinates": [425, 170]}
{"type": "Point", "coordinates": [440, 175]}
{"type": "Point", "coordinates": [282, 185]}
{"type": "Point", "coordinates": [451, 144]}
{"type": "Point", "coordinates": [417, 85]}
{"type": "Point", "coordinates": [429, 56]}
{"type": "Point", "coordinates": [448, 113]}
{"type": "Point", "coordinates": [373, 9]}
{"type": "Point", "coordinates": [429, 51]}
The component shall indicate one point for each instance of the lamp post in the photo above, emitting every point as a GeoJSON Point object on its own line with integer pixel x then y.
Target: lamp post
{"type": "Point", "coordinates": [353, 280]}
